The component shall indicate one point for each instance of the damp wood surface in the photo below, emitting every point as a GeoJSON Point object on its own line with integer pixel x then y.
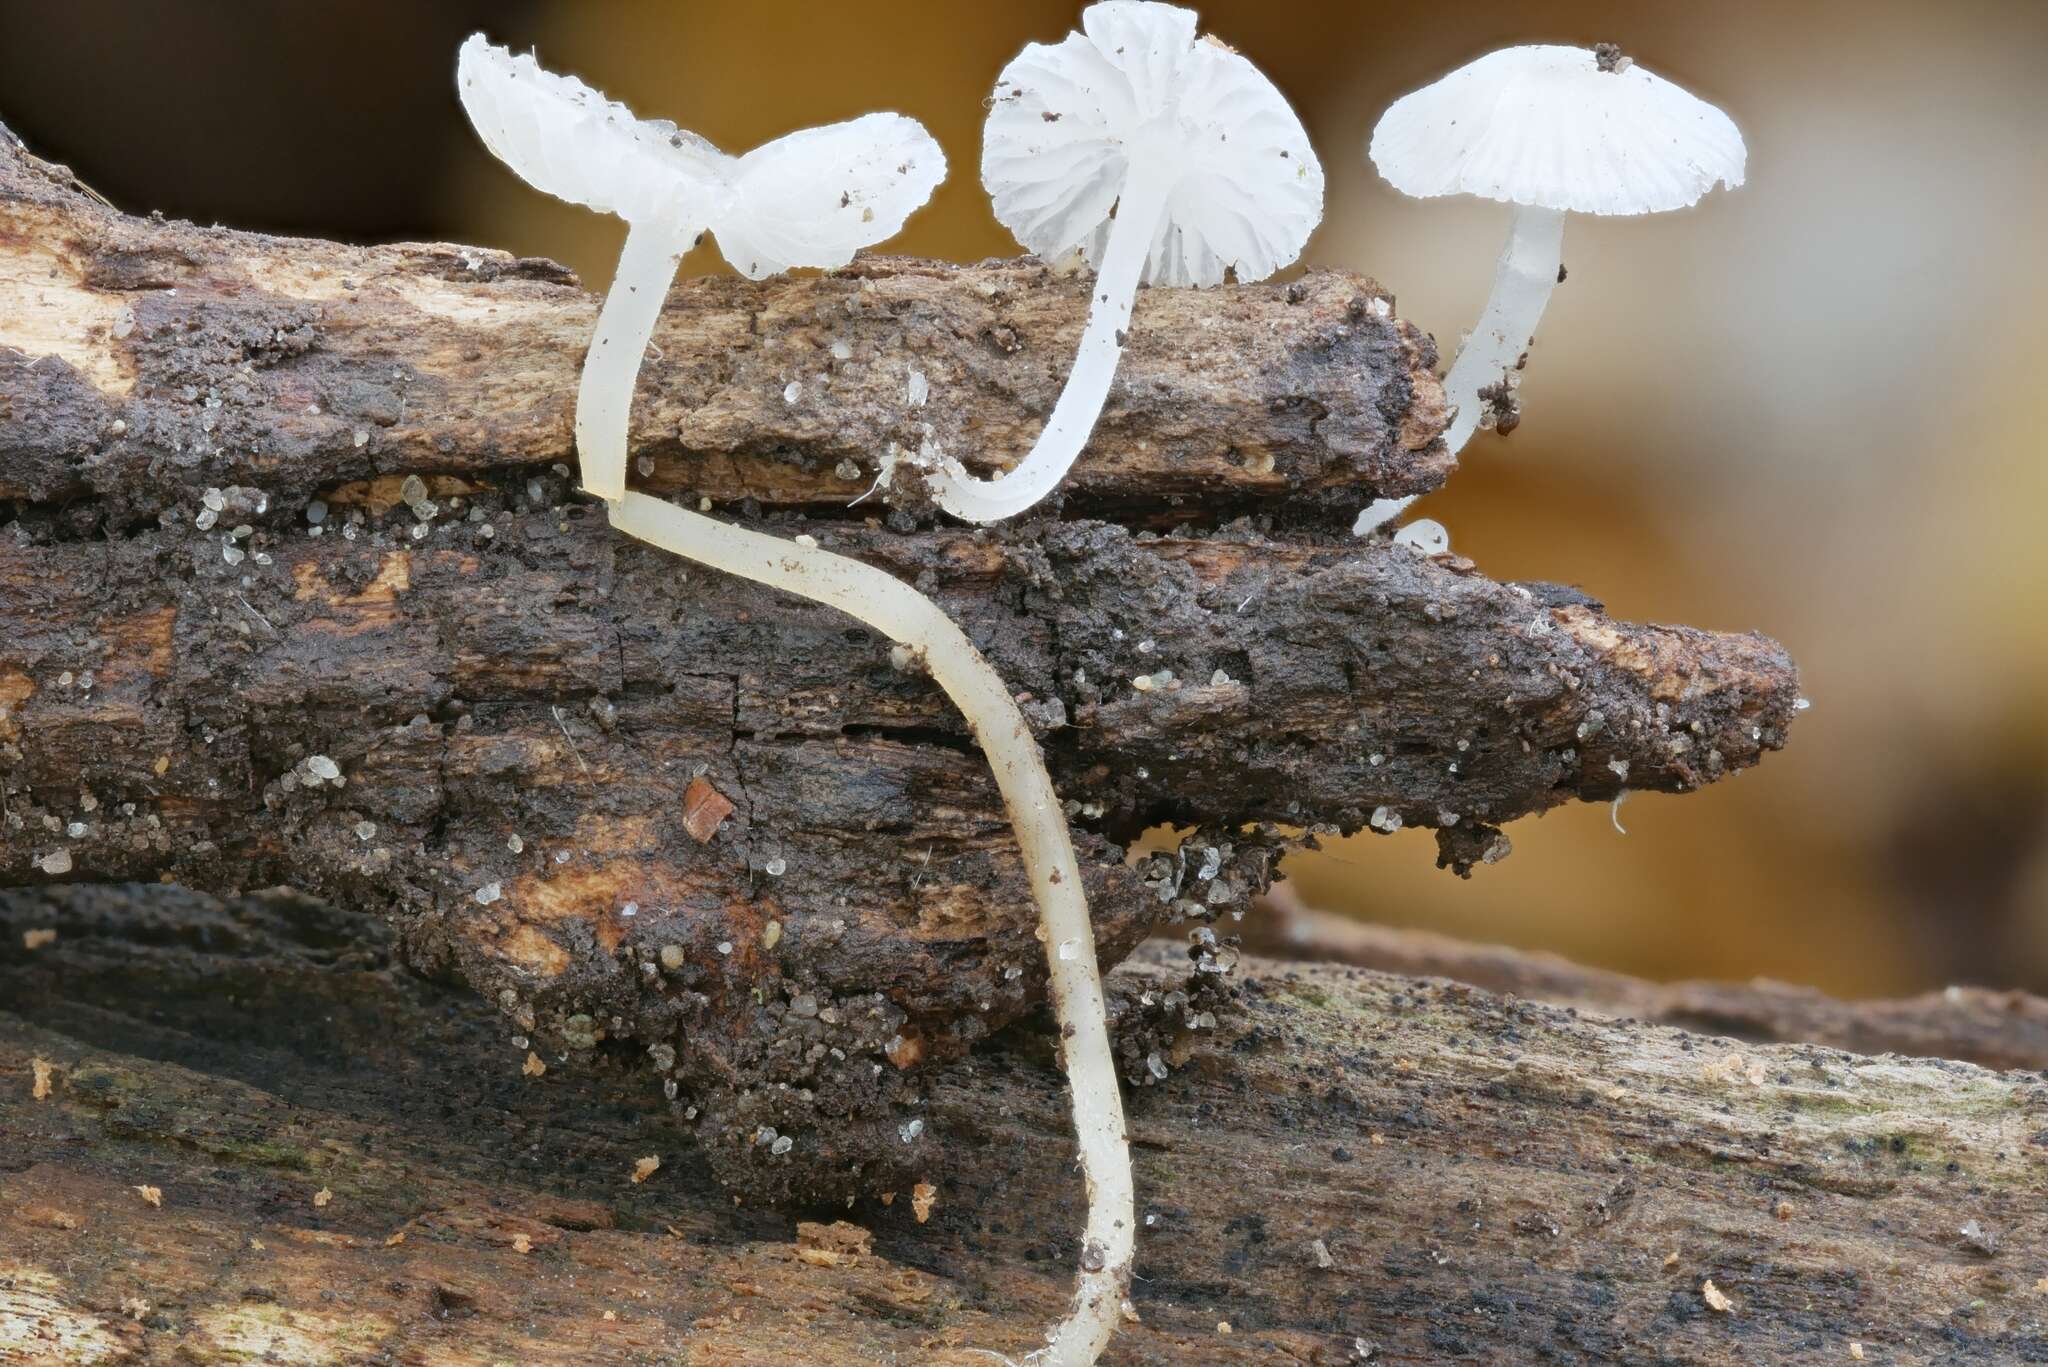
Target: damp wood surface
{"type": "Point", "coordinates": [296, 588]}
{"type": "Point", "coordinates": [347, 1164]}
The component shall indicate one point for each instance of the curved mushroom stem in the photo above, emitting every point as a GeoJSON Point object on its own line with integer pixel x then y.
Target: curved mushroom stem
{"type": "Point", "coordinates": [899, 611]}
{"type": "Point", "coordinates": [604, 399]}
{"type": "Point", "coordinates": [1059, 444]}
{"type": "Point", "coordinates": [1522, 283]}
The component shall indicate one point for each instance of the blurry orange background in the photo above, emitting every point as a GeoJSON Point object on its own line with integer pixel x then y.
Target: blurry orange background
{"type": "Point", "coordinates": [1808, 407]}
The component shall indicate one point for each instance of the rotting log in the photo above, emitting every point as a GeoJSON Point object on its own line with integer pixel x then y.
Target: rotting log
{"type": "Point", "coordinates": [296, 590]}
{"type": "Point", "coordinates": [357, 1165]}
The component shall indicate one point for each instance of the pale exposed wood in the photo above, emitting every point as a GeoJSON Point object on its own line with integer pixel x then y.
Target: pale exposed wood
{"type": "Point", "coordinates": [1999, 1029]}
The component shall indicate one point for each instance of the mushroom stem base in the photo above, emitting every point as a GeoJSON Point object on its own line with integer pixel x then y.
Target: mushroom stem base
{"type": "Point", "coordinates": [1522, 283]}
{"type": "Point", "coordinates": [1059, 443]}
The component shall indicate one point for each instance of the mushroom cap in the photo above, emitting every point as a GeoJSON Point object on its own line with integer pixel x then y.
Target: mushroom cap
{"type": "Point", "coordinates": [1069, 118]}
{"type": "Point", "coordinates": [819, 195]}
{"type": "Point", "coordinates": [569, 141]}
{"type": "Point", "coordinates": [1547, 126]}
{"type": "Point", "coordinates": [813, 198]}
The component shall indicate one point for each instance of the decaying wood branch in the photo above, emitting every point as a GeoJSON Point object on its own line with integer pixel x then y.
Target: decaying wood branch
{"type": "Point", "coordinates": [354, 1164]}
{"type": "Point", "coordinates": [296, 590]}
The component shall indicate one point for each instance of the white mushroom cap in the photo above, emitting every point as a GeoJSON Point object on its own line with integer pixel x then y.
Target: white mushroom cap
{"type": "Point", "coordinates": [819, 195]}
{"type": "Point", "coordinates": [569, 141]}
{"type": "Point", "coordinates": [1561, 128]}
{"type": "Point", "coordinates": [1070, 117]}
{"type": "Point", "coordinates": [813, 198]}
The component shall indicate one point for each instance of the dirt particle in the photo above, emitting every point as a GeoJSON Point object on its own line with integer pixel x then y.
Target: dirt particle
{"type": "Point", "coordinates": [153, 1195]}
{"type": "Point", "coordinates": [33, 940]}
{"type": "Point", "coordinates": [1500, 410]}
{"type": "Point", "coordinates": [321, 1198]}
{"type": "Point", "coordinates": [839, 1244]}
{"type": "Point", "coordinates": [41, 1090]}
{"type": "Point", "coordinates": [1717, 1301]}
{"type": "Point", "coordinates": [533, 1067]}
{"type": "Point", "coordinates": [704, 810]}
{"type": "Point", "coordinates": [522, 1243]}
{"type": "Point", "coordinates": [1609, 57]}
{"type": "Point", "coordinates": [645, 1168]}
{"type": "Point", "coordinates": [923, 1197]}
{"type": "Point", "coordinates": [1732, 1068]}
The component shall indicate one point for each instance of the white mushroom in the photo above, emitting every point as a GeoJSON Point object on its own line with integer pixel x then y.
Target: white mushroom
{"type": "Point", "coordinates": [786, 204]}
{"type": "Point", "coordinates": [1424, 536]}
{"type": "Point", "coordinates": [813, 198]}
{"type": "Point", "coordinates": [1552, 130]}
{"type": "Point", "coordinates": [1161, 157]}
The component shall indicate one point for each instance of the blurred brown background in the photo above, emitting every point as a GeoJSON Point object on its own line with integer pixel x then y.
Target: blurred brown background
{"type": "Point", "coordinates": [1808, 407]}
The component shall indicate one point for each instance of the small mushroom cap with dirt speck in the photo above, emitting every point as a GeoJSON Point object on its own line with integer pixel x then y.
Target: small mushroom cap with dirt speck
{"type": "Point", "coordinates": [1566, 128]}
{"type": "Point", "coordinates": [1069, 118]}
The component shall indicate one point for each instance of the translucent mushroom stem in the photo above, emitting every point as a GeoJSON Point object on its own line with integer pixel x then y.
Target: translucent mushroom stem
{"type": "Point", "coordinates": [1138, 211]}
{"type": "Point", "coordinates": [906, 616]}
{"type": "Point", "coordinates": [1522, 282]}
{"type": "Point", "coordinates": [604, 400]}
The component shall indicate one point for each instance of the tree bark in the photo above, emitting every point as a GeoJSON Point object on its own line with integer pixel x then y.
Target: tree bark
{"type": "Point", "coordinates": [297, 592]}
{"type": "Point", "coordinates": [1345, 1167]}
